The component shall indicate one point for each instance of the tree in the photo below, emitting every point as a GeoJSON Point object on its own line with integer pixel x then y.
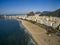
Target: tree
{"type": "Point", "coordinates": [55, 13]}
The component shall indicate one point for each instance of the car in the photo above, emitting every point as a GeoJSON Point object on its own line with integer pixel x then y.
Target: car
{"type": "Point", "coordinates": [58, 33]}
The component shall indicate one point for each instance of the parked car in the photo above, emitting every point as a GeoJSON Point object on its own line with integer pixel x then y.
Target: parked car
{"type": "Point", "coordinates": [58, 33]}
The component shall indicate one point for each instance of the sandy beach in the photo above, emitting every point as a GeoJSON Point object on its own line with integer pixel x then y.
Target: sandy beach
{"type": "Point", "coordinates": [39, 34]}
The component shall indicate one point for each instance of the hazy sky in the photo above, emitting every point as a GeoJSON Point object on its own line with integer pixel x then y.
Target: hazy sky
{"type": "Point", "coordinates": [24, 6]}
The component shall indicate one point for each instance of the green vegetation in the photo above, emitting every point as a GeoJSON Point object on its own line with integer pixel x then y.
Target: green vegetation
{"type": "Point", "coordinates": [30, 21]}
{"type": "Point", "coordinates": [53, 13]}
{"type": "Point", "coordinates": [30, 14]}
{"type": "Point", "coordinates": [48, 28]}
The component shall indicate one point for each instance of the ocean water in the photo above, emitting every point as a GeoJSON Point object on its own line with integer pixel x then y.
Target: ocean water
{"type": "Point", "coordinates": [12, 33]}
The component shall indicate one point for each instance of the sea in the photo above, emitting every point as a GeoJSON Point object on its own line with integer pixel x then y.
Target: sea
{"type": "Point", "coordinates": [12, 32]}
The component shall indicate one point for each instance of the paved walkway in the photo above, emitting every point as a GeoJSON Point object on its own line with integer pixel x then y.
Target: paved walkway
{"type": "Point", "coordinates": [39, 34]}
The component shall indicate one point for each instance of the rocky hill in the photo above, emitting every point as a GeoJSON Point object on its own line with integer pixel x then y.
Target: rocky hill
{"type": "Point", "coordinates": [55, 13]}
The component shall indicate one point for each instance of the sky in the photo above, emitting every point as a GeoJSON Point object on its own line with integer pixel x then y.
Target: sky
{"type": "Point", "coordinates": [25, 6]}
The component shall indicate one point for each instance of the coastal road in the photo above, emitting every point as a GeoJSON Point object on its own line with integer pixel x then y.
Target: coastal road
{"type": "Point", "coordinates": [39, 34]}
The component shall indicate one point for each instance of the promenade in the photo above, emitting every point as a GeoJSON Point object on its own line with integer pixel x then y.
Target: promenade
{"type": "Point", "coordinates": [39, 34]}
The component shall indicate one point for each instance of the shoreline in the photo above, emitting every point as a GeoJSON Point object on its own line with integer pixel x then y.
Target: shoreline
{"type": "Point", "coordinates": [39, 35]}
{"type": "Point", "coordinates": [31, 39]}
{"type": "Point", "coordinates": [31, 35]}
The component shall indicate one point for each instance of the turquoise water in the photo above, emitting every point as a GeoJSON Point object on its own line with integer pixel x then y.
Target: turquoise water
{"type": "Point", "coordinates": [11, 33]}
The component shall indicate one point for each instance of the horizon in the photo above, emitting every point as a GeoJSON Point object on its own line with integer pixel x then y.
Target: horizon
{"type": "Point", "coordinates": [25, 6]}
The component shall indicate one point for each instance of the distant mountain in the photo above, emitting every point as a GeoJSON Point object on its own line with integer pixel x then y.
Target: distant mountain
{"type": "Point", "coordinates": [38, 12]}
{"type": "Point", "coordinates": [30, 14]}
{"type": "Point", "coordinates": [45, 12]}
{"type": "Point", "coordinates": [55, 13]}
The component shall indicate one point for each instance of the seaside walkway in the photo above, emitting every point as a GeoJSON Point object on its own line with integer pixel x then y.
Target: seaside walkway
{"type": "Point", "coordinates": [39, 34]}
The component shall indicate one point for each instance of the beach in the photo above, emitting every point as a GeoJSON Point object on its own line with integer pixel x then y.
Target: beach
{"type": "Point", "coordinates": [35, 31]}
{"type": "Point", "coordinates": [39, 34]}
